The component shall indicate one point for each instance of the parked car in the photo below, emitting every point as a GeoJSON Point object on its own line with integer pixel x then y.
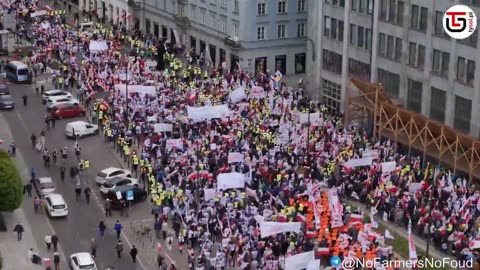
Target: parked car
{"type": "Point", "coordinates": [55, 93]}
{"type": "Point", "coordinates": [54, 101]}
{"type": "Point", "coordinates": [4, 89]}
{"type": "Point", "coordinates": [109, 173]}
{"type": "Point", "coordinates": [55, 205]}
{"type": "Point", "coordinates": [67, 111]}
{"type": "Point", "coordinates": [139, 195]}
{"type": "Point", "coordinates": [117, 182]}
{"type": "Point", "coordinates": [44, 185]}
{"type": "Point", "coordinates": [78, 129]}
{"type": "Point", "coordinates": [82, 261]}
{"type": "Point", "coordinates": [7, 102]}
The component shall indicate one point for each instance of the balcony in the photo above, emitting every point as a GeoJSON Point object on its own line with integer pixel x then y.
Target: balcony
{"type": "Point", "coordinates": [234, 44]}
{"type": "Point", "coordinates": [181, 21]}
{"type": "Point", "coordinates": [135, 5]}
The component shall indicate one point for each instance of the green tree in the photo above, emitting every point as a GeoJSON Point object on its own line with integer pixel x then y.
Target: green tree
{"type": "Point", "coordinates": [11, 186]}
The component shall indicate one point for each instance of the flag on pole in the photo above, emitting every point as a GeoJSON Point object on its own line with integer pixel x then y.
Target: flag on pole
{"type": "Point", "coordinates": [412, 251]}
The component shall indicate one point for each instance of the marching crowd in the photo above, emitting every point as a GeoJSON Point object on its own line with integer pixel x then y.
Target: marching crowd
{"type": "Point", "coordinates": [252, 174]}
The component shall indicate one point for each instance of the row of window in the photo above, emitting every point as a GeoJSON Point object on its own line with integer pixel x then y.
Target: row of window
{"type": "Point", "coordinates": [281, 7]}
{"type": "Point", "coordinates": [463, 107]}
{"type": "Point", "coordinates": [440, 65]}
{"type": "Point", "coordinates": [281, 31]}
{"type": "Point", "coordinates": [281, 63]}
{"type": "Point", "coordinates": [392, 11]}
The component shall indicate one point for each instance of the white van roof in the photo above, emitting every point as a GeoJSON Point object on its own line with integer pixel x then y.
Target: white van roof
{"type": "Point", "coordinates": [77, 123]}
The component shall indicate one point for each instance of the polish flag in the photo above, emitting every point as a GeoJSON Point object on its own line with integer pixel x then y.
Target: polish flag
{"type": "Point", "coordinates": [356, 217]}
{"type": "Point", "coordinates": [323, 251]}
{"type": "Point", "coordinates": [475, 244]}
{"type": "Point", "coordinates": [281, 218]}
{"type": "Point", "coordinates": [310, 234]}
{"type": "Point", "coordinates": [124, 15]}
{"type": "Point", "coordinates": [301, 218]}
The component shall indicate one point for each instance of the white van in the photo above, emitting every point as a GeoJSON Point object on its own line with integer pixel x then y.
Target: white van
{"type": "Point", "coordinates": [80, 129]}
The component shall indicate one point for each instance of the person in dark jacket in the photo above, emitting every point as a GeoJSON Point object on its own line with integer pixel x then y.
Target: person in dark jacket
{"type": "Point", "coordinates": [133, 253]}
{"type": "Point", "coordinates": [19, 230]}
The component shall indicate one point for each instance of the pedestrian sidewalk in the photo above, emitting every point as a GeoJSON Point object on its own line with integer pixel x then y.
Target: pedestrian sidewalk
{"type": "Point", "coordinates": [14, 253]}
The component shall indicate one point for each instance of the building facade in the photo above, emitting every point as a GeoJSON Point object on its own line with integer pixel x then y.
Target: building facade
{"type": "Point", "coordinates": [402, 45]}
{"type": "Point", "coordinates": [260, 35]}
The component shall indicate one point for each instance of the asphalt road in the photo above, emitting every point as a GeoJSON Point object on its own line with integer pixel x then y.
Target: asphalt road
{"type": "Point", "coordinates": [80, 226]}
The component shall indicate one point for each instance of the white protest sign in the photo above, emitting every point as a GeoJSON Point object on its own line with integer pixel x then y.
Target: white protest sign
{"type": "Point", "coordinates": [238, 94]}
{"type": "Point", "coordinates": [388, 166]}
{"type": "Point", "coordinates": [96, 46]}
{"type": "Point", "coordinates": [119, 195]}
{"type": "Point", "coordinates": [414, 187]}
{"type": "Point", "coordinates": [272, 228]}
{"type": "Point", "coordinates": [230, 181]}
{"type": "Point", "coordinates": [313, 265]}
{"type": "Point", "coordinates": [370, 153]}
{"type": "Point", "coordinates": [162, 127]}
{"type": "Point", "coordinates": [314, 120]}
{"type": "Point", "coordinates": [198, 114]}
{"type": "Point", "coordinates": [235, 157]}
{"type": "Point", "coordinates": [257, 92]}
{"type": "Point", "coordinates": [352, 163]}
{"type": "Point", "coordinates": [299, 261]}
{"type": "Point", "coordinates": [209, 194]}
{"type": "Point", "coordinates": [174, 143]}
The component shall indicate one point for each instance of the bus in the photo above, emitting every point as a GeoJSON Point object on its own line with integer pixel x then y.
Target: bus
{"type": "Point", "coordinates": [17, 71]}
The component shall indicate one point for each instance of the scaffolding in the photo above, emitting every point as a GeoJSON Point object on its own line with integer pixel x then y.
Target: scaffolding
{"type": "Point", "coordinates": [367, 104]}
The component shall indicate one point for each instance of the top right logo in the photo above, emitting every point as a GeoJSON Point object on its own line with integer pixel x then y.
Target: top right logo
{"type": "Point", "coordinates": [459, 22]}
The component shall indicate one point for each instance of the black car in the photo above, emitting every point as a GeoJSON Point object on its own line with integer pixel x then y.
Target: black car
{"type": "Point", "coordinates": [7, 102]}
{"type": "Point", "coordinates": [139, 195]}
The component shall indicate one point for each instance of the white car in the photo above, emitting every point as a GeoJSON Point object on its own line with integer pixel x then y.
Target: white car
{"type": "Point", "coordinates": [55, 93]}
{"type": "Point", "coordinates": [55, 205]}
{"type": "Point", "coordinates": [82, 261]}
{"type": "Point", "coordinates": [117, 182]}
{"type": "Point", "coordinates": [54, 101]}
{"type": "Point", "coordinates": [109, 173]}
{"type": "Point", "coordinates": [78, 129]}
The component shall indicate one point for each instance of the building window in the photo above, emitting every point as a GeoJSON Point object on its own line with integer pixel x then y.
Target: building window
{"type": "Point", "coordinates": [147, 26]}
{"type": "Point", "coordinates": [363, 6]}
{"type": "Point", "coordinates": [212, 20]}
{"type": "Point", "coordinates": [281, 63]}
{"type": "Point", "coordinates": [465, 71]}
{"type": "Point", "coordinates": [390, 47]}
{"type": "Point", "coordinates": [156, 29]}
{"type": "Point", "coordinates": [236, 6]}
{"type": "Point", "coordinates": [203, 15]}
{"type": "Point", "coordinates": [300, 63]}
{"type": "Point", "coordinates": [471, 41]}
{"type": "Point", "coordinates": [301, 30]}
{"type": "Point", "coordinates": [391, 11]}
{"type": "Point", "coordinates": [419, 18]}
{"type": "Point", "coordinates": [359, 69]}
{"type": "Point", "coordinates": [333, 28]}
{"type": "Point", "coordinates": [223, 24]}
{"type": "Point", "coordinates": [438, 26]}
{"type": "Point", "coordinates": [235, 28]}
{"type": "Point", "coordinates": [223, 3]}
{"type": "Point", "coordinates": [463, 114]}
{"type": "Point", "coordinates": [440, 63]}
{"type": "Point", "coordinates": [193, 13]}
{"type": "Point", "coordinates": [471, 2]}
{"type": "Point", "coordinates": [416, 55]}
{"type": "Point", "coordinates": [261, 8]}
{"type": "Point", "coordinates": [390, 82]}
{"type": "Point", "coordinates": [360, 36]}
{"type": "Point", "coordinates": [437, 105]}
{"type": "Point", "coordinates": [281, 31]}
{"type": "Point", "coordinates": [282, 6]}
{"type": "Point", "coordinates": [332, 62]}
{"type": "Point", "coordinates": [301, 5]}
{"type": "Point", "coordinates": [261, 32]}
{"type": "Point", "coordinates": [414, 99]}
{"type": "Point", "coordinates": [332, 95]}
{"type": "Point", "coordinates": [338, 3]}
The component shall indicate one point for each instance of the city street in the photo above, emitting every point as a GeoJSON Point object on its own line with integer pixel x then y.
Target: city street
{"type": "Point", "coordinates": [80, 226]}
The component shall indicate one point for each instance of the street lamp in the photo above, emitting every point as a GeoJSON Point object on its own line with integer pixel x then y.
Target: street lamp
{"type": "Point", "coordinates": [314, 48]}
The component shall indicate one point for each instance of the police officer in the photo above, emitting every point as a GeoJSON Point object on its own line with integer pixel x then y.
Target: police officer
{"type": "Point", "coordinates": [135, 162]}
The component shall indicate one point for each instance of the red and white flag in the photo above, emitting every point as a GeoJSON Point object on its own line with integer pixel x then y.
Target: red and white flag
{"type": "Point", "coordinates": [412, 250]}
{"type": "Point", "coordinates": [159, 247]}
{"type": "Point", "coordinates": [356, 217]}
